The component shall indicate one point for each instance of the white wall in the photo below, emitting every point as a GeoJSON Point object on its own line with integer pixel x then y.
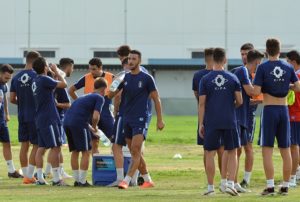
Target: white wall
{"type": "Point", "coordinates": [159, 28]}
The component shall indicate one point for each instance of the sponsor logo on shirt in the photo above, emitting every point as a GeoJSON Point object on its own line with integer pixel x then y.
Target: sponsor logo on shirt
{"type": "Point", "coordinates": [24, 80]}
{"type": "Point", "coordinates": [220, 81]}
{"type": "Point", "coordinates": [33, 87]}
{"type": "Point", "coordinates": [278, 73]}
{"type": "Point", "coordinates": [140, 84]}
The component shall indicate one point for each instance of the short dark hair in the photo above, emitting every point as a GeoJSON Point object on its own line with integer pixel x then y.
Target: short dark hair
{"type": "Point", "coordinates": [96, 61]}
{"type": "Point", "coordinates": [136, 52]}
{"type": "Point", "coordinates": [123, 51]}
{"type": "Point", "coordinates": [254, 55]}
{"type": "Point", "coordinates": [100, 83]}
{"type": "Point", "coordinates": [125, 61]}
{"type": "Point", "coordinates": [39, 65]}
{"type": "Point", "coordinates": [6, 68]}
{"type": "Point", "coordinates": [294, 55]}
{"type": "Point", "coordinates": [208, 52]}
{"type": "Point", "coordinates": [219, 55]}
{"type": "Point", "coordinates": [63, 62]}
{"type": "Point", "coordinates": [247, 46]}
{"type": "Point", "coordinates": [273, 46]}
{"type": "Point", "coordinates": [31, 56]}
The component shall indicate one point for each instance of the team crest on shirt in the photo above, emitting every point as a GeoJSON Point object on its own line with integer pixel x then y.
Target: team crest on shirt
{"type": "Point", "coordinates": [33, 87]}
{"type": "Point", "coordinates": [140, 84]}
{"type": "Point", "coordinates": [24, 80]}
{"type": "Point", "coordinates": [220, 81]}
{"type": "Point", "coordinates": [278, 73]}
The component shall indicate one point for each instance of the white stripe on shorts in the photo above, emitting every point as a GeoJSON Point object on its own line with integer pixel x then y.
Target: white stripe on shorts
{"type": "Point", "coordinates": [261, 127]}
{"type": "Point", "coordinates": [118, 128]}
{"type": "Point", "coordinates": [53, 135]}
{"type": "Point", "coordinates": [86, 140]}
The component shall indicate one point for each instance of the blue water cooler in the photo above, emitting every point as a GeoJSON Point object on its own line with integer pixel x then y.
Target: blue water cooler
{"type": "Point", "coordinates": [104, 169]}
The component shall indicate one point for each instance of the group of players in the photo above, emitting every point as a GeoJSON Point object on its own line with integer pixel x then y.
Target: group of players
{"type": "Point", "coordinates": [48, 119]}
{"type": "Point", "coordinates": [227, 102]}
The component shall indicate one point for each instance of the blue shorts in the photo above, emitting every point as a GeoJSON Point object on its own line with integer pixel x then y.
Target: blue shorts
{"type": "Point", "coordinates": [135, 126]}
{"type": "Point", "coordinates": [118, 132]}
{"type": "Point", "coordinates": [79, 138]}
{"type": "Point", "coordinates": [275, 122]}
{"type": "Point", "coordinates": [49, 136]}
{"type": "Point", "coordinates": [106, 124]}
{"type": "Point", "coordinates": [295, 133]}
{"type": "Point", "coordinates": [243, 135]}
{"type": "Point", "coordinates": [252, 122]}
{"type": "Point", "coordinates": [214, 138]}
{"type": "Point", "coordinates": [4, 133]}
{"type": "Point", "coordinates": [27, 132]}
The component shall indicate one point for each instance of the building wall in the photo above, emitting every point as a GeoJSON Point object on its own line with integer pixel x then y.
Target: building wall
{"type": "Point", "coordinates": [160, 29]}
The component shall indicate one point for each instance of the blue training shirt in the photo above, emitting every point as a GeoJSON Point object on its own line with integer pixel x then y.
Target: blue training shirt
{"type": "Point", "coordinates": [136, 91]}
{"type": "Point", "coordinates": [21, 85]}
{"type": "Point", "coordinates": [275, 77]}
{"type": "Point", "coordinates": [219, 88]}
{"type": "Point", "coordinates": [197, 78]}
{"type": "Point", "coordinates": [43, 92]}
{"type": "Point", "coordinates": [242, 112]}
{"type": "Point", "coordinates": [61, 96]}
{"type": "Point", "coordinates": [82, 109]}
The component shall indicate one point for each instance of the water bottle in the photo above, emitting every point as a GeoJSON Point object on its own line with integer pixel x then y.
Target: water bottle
{"type": "Point", "coordinates": [117, 81]}
{"type": "Point", "coordinates": [106, 142]}
{"type": "Point", "coordinates": [1, 97]}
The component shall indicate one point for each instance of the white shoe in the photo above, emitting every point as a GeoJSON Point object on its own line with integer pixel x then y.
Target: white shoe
{"type": "Point", "coordinates": [222, 188]}
{"type": "Point", "coordinates": [65, 175]}
{"type": "Point", "coordinates": [298, 174]}
{"type": "Point", "coordinates": [231, 191]}
{"type": "Point", "coordinates": [114, 184]}
{"type": "Point", "coordinates": [209, 193]}
{"type": "Point", "coordinates": [239, 189]}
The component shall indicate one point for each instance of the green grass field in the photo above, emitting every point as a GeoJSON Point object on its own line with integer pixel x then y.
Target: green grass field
{"type": "Point", "coordinates": [176, 179]}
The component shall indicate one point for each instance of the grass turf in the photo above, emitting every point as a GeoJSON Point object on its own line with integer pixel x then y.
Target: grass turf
{"type": "Point", "coordinates": [176, 179]}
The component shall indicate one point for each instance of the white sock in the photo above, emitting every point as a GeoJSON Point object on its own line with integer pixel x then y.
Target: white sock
{"type": "Point", "coordinates": [270, 183]}
{"type": "Point", "coordinates": [76, 175]}
{"type": "Point", "coordinates": [61, 166]}
{"type": "Point", "coordinates": [40, 175]}
{"type": "Point", "coordinates": [147, 177]}
{"type": "Point", "coordinates": [224, 182]}
{"type": "Point", "coordinates": [230, 184]}
{"type": "Point", "coordinates": [56, 174]}
{"type": "Point", "coordinates": [10, 166]}
{"type": "Point", "coordinates": [210, 188]}
{"type": "Point", "coordinates": [30, 171]}
{"type": "Point", "coordinates": [82, 176]}
{"type": "Point", "coordinates": [24, 171]}
{"type": "Point", "coordinates": [120, 174]}
{"type": "Point", "coordinates": [127, 179]}
{"type": "Point", "coordinates": [48, 169]}
{"type": "Point", "coordinates": [293, 179]}
{"type": "Point", "coordinates": [285, 184]}
{"type": "Point", "coordinates": [247, 176]}
{"type": "Point", "coordinates": [135, 177]}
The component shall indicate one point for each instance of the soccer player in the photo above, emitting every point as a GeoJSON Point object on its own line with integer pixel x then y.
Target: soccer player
{"type": "Point", "coordinates": [6, 72]}
{"type": "Point", "coordinates": [21, 95]}
{"type": "Point", "coordinates": [106, 122]}
{"type": "Point", "coordinates": [137, 87]}
{"type": "Point", "coordinates": [219, 94]}
{"type": "Point", "coordinates": [209, 62]}
{"type": "Point", "coordinates": [47, 119]}
{"type": "Point", "coordinates": [273, 79]}
{"type": "Point", "coordinates": [293, 57]}
{"type": "Point", "coordinates": [76, 125]}
{"type": "Point", "coordinates": [62, 103]}
{"type": "Point", "coordinates": [254, 58]}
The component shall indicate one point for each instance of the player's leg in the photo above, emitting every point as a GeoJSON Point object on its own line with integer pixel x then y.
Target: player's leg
{"type": "Point", "coordinates": [39, 165]}
{"type": "Point", "coordinates": [220, 152]}
{"type": "Point", "coordinates": [63, 173]}
{"type": "Point", "coordinates": [224, 172]}
{"type": "Point", "coordinates": [23, 138]}
{"type": "Point", "coordinates": [95, 145]}
{"type": "Point", "coordinates": [75, 166]}
{"type": "Point", "coordinates": [33, 139]}
{"type": "Point", "coordinates": [294, 153]}
{"type": "Point", "coordinates": [7, 154]}
{"type": "Point", "coordinates": [244, 140]}
{"type": "Point", "coordinates": [249, 160]}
